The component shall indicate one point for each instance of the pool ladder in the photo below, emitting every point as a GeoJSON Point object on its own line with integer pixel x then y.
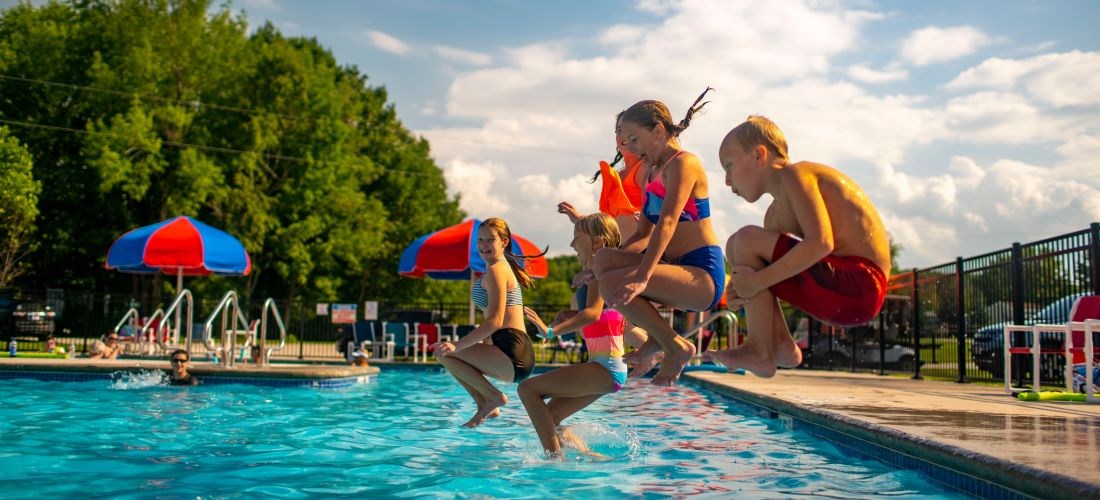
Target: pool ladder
{"type": "Point", "coordinates": [235, 328]}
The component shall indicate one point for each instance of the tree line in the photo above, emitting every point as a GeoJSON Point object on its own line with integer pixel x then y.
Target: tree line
{"type": "Point", "coordinates": [119, 114]}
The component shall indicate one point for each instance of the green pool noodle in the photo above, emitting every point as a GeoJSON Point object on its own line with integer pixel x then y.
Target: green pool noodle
{"type": "Point", "coordinates": [1050, 396]}
{"type": "Point", "coordinates": [33, 354]}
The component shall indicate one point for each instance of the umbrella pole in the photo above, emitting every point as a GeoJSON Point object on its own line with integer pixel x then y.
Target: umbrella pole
{"type": "Point", "coordinates": [179, 327]}
{"type": "Point", "coordinates": [471, 297]}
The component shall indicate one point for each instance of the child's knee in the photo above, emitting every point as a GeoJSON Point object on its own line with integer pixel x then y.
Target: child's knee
{"type": "Point", "coordinates": [527, 390]}
{"type": "Point", "coordinates": [744, 245]}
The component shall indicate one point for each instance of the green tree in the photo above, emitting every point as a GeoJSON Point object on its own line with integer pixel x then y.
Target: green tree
{"type": "Point", "coordinates": [18, 207]}
{"type": "Point", "coordinates": [168, 107]}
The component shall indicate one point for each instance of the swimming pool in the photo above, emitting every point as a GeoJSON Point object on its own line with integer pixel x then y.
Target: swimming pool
{"type": "Point", "coordinates": [402, 436]}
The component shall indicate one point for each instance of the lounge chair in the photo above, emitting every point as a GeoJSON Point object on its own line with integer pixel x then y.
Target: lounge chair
{"type": "Point", "coordinates": [1078, 335]}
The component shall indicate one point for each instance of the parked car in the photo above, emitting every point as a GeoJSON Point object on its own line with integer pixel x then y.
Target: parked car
{"type": "Point", "coordinates": [987, 347]}
{"type": "Point", "coordinates": [896, 356]}
{"type": "Point", "coordinates": [33, 319]}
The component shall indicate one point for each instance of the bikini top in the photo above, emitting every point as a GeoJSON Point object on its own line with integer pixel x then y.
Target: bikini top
{"type": "Point", "coordinates": [480, 296]}
{"type": "Point", "coordinates": [695, 209]}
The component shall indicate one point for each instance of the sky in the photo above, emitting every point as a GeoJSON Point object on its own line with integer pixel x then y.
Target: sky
{"type": "Point", "coordinates": [970, 124]}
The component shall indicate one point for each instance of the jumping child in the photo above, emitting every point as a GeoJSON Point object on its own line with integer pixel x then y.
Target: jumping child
{"type": "Point", "coordinates": [835, 270]}
{"type": "Point", "coordinates": [572, 388]}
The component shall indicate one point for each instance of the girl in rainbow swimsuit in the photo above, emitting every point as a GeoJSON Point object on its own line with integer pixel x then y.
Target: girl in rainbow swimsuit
{"type": "Point", "coordinates": [572, 388]}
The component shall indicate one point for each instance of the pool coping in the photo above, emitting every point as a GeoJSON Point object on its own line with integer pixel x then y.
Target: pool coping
{"type": "Point", "coordinates": [1012, 477]}
{"type": "Point", "coordinates": [274, 375]}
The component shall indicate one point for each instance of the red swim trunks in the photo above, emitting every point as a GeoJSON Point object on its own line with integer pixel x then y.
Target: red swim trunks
{"type": "Point", "coordinates": [843, 291]}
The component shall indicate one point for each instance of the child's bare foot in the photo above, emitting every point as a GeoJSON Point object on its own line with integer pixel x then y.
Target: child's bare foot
{"type": "Point", "coordinates": [570, 439]}
{"type": "Point", "coordinates": [743, 357]}
{"type": "Point", "coordinates": [643, 365]}
{"type": "Point", "coordinates": [674, 363]}
{"type": "Point", "coordinates": [484, 411]}
{"type": "Point", "coordinates": [787, 354]}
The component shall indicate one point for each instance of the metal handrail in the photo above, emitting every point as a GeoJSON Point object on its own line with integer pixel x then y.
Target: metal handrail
{"type": "Point", "coordinates": [132, 313]}
{"type": "Point", "coordinates": [166, 322]}
{"type": "Point", "coordinates": [269, 304]}
{"type": "Point", "coordinates": [145, 328]}
{"type": "Point", "coordinates": [714, 316]}
{"type": "Point", "coordinates": [228, 301]}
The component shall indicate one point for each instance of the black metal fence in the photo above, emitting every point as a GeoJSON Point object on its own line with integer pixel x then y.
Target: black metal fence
{"type": "Point", "coordinates": [948, 320]}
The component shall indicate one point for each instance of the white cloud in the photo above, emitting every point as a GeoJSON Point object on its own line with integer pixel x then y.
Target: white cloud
{"type": "Point", "coordinates": [387, 42]}
{"type": "Point", "coordinates": [867, 74]}
{"type": "Point", "coordinates": [467, 57]}
{"type": "Point", "coordinates": [1061, 80]}
{"type": "Point", "coordinates": [932, 45]}
{"type": "Point", "coordinates": [262, 5]}
{"type": "Point", "coordinates": [544, 118]}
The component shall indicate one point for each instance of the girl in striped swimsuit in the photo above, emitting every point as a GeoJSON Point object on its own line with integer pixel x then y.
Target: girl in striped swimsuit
{"type": "Point", "coordinates": [511, 357]}
{"type": "Point", "coordinates": [572, 388]}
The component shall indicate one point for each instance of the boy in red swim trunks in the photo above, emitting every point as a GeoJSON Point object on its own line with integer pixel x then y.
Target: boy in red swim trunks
{"type": "Point", "coordinates": [822, 249]}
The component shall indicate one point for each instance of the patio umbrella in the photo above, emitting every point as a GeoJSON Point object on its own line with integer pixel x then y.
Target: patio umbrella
{"type": "Point", "coordinates": [451, 254]}
{"type": "Point", "coordinates": [181, 246]}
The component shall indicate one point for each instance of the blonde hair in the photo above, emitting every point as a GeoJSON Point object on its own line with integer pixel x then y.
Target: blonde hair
{"type": "Point", "coordinates": [498, 226]}
{"type": "Point", "coordinates": [756, 130]}
{"type": "Point", "coordinates": [601, 228]}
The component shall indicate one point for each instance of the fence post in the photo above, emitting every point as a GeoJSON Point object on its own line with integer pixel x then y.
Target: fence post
{"type": "Point", "coordinates": [960, 318]}
{"type": "Point", "coordinates": [1016, 275]}
{"type": "Point", "coordinates": [881, 343]}
{"type": "Point", "coordinates": [1094, 256]}
{"type": "Point", "coordinates": [916, 323]}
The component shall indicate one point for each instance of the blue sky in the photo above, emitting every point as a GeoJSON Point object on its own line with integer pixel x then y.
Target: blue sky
{"type": "Point", "coordinates": [971, 124]}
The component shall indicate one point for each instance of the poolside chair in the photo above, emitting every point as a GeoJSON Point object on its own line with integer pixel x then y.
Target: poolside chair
{"type": "Point", "coordinates": [425, 335]}
{"type": "Point", "coordinates": [367, 338]}
{"type": "Point", "coordinates": [401, 335]}
{"type": "Point", "coordinates": [1078, 343]}
{"type": "Point", "coordinates": [459, 331]}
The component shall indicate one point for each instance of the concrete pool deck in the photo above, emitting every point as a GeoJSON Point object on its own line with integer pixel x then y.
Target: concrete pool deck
{"type": "Point", "coordinates": [1045, 449]}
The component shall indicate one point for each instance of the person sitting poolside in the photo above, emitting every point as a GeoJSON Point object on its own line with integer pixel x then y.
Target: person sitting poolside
{"type": "Point", "coordinates": [181, 360]}
{"type": "Point", "coordinates": [108, 348]}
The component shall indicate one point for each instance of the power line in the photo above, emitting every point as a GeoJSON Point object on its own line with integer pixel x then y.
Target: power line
{"type": "Point", "coordinates": [196, 104]}
{"type": "Point", "coordinates": [179, 144]}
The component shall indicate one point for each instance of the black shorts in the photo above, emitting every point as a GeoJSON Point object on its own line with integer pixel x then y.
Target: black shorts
{"type": "Point", "coordinates": [517, 346]}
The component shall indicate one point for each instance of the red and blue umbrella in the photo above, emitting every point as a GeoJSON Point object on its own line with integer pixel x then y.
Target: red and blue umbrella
{"type": "Point", "coordinates": [182, 246]}
{"type": "Point", "coordinates": [451, 254]}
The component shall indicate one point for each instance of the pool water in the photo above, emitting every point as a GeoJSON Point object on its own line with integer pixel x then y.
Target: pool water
{"type": "Point", "coordinates": [402, 436]}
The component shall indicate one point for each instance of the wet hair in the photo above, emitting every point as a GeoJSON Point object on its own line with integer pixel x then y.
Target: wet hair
{"type": "Point", "coordinates": [758, 130]}
{"type": "Point", "coordinates": [601, 228]}
{"type": "Point", "coordinates": [498, 226]}
{"type": "Point", "coordinates": [651, 113]}
{"type": "Point", "coordinates": [180, 351]}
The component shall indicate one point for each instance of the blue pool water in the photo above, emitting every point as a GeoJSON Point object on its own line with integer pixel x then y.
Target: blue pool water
{"type": "Point", "coordinates": [401, 436]}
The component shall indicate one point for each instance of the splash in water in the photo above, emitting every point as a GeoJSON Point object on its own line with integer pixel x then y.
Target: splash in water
{"type": "Point", "coordinates": [124, 381]}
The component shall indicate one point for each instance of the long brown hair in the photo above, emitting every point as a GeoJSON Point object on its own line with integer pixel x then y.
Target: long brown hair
{"type": "Point", "coordinates": [649, 113]}
{"type": "Point", "coordinates": [498, 226]}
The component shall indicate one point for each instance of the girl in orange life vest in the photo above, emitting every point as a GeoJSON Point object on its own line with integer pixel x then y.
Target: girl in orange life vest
{"type": "Point", "coordinates": [682, 265]}
{"type": "Point", "coordinates": [621, 196]}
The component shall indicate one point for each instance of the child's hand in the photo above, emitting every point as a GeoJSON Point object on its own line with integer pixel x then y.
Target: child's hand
{"type": "Point", "coordinates": [533, 317]}
{"type": "Point", "coordinates": [633, 286]}
{"type": "Point", "coordinates": [443, 348]}
{"type": "Point", "coordinates": [743, 282]}
{"type": "Point", "coordinates": [569, 210]}
{"type": "Point", "coordinates": [583, 277]}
